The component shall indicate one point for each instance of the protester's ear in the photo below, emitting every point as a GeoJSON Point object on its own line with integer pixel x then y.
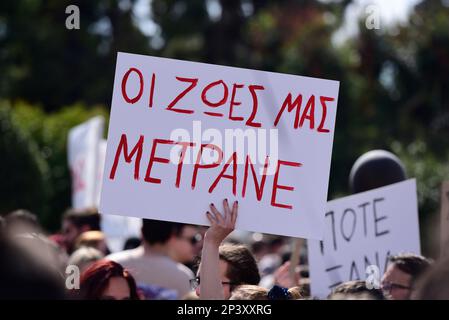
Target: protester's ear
{"type": "Point", "coordinates": [173, 237]}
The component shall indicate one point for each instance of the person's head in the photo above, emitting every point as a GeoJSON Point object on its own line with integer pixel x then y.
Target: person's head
{"type": "Point", "coordinates": [275, 244]}
{"type": "Point", "coordinates": [249, 292]}
{"type": "Point", "coordinates": [355, 290]}
{"type": "Point", "coordinates": [183, 246]}
{"type": "Point", "coordinates": [84, 257]}
{"type": "Point", "coordinates": [259, 249]}
{"type": "Point", "coordinates": [21, 221]}
{"type": "Point", "coordinates": [401, 274]}
{"type": "Point", "coordinates": [304, 287]}
{"type": "Point", "coordinates": [253, 292]}
{"type": "Point", "coordinates": [179, 238]}
{"type": "Point", "coordinates": [107, 280]}
{"type": "Point", "coordinates": [132, 243]}
{"type": "Point", "coordinates": [434, 284]}
{"type": "Point", "coordinates": [28, 270]}
{"type": "Point", "coordinates": [76, 222]}
{"type": "Point", "coordinates": [237, 266]}
{"type": "Point", "coordinates": [94, 239]}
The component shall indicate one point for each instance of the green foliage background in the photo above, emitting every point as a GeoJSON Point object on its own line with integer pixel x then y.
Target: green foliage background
{"type": "Point", "coordinates": [34, 169]}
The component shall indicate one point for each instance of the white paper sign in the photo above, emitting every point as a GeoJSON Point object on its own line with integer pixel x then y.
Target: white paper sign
{"type": "Point", "coordinates": [100, 169]}
{"type": "Point", "coordinates": [364, 230]}
{"type": "Point", "coordinates": [185, 134]}
{"type": "Point", "coordinates": [116, 228]}
{"type": "Point", "coordinates": [83, 143]}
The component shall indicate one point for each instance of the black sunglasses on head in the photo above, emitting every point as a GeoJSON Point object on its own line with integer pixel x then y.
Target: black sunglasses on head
{"type": "Point", "coordinates": [193, 239]}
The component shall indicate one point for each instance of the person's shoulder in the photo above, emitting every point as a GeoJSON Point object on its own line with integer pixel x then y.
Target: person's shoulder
{"type": "Point", "coordinates": [185, 270]}
{"type": "Point", "coordinates": [125, 255]}
{"type": "Point", "coordinates": [175, 267]}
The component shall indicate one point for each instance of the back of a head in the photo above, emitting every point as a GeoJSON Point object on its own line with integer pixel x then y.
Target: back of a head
{"type": "Point", "coordinates": [83, 217]}
{"type": "Point", "coordinates": [249, 292]}
{"type": "Point", "coordinates": [242, 266]}
{"type": "Point", "coordinates": [434, 285]}
{"type": "Point", "coordinates": [20, 221]}
{"type": "Point", "coordinates": [24, 276]}
{"type": "Point", "coordinates": [253, 292]}
{"type": "Point", "coordinates": [259, 247]}
{"type": "Point", "coordinates": [355, 290]}
{"type": "Point", "coordinates": [304, 287]}
{"type": "Point", "coordinates": [132, 243]}
{"type": "Point", "coordinates": [84, 256]}
{"type": "Point", "coordinates": [159, 232]}
{"type": "Point", "coordinates": [412, 264]}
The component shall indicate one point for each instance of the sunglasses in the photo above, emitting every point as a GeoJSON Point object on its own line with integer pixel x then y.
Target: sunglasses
{"type": "Point", "coordinates": [193, 240]}
{"type": "Point", "coordinates": [195, 283]}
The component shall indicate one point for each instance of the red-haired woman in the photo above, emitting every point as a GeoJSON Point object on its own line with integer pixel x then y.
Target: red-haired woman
{"type": "Point", "coordinates": [107, 280]}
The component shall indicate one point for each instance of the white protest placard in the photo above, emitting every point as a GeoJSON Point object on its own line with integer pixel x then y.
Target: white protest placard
{"type": "Point", "coordinates": [183, 135]}
{"type": "Point", "coordinates": [363, 230]}
{"type": "Point", "coordinates": [116, 228]}
{"type": "Point", "coordinates": [101, 157]}
{"type": "Point", "coordinates": [82, 153]}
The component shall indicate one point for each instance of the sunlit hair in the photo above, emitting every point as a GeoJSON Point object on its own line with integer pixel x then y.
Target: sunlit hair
{"type": "Point", "coordinates": [84, 257]}
{"type": "Point", "coordinates": [253, 292]}
{"type": "Point", "coordinates": [89, 239]}
{"type": "Point", "coordinates": [355, 290]}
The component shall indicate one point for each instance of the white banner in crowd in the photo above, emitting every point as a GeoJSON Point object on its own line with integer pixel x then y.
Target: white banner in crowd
{"type": "Point", "coordinates": [100, 168]}
{"type": "Point", "coordinates": [86, 154]}
{"type": "Point", "coordinates": [116, 228]}
{"type": "Point", "coordinates": [185, 134]}
{"type": "Point", "coordinates": [83, 146]}
{"type": "Point", "coordinates": [364, 230]}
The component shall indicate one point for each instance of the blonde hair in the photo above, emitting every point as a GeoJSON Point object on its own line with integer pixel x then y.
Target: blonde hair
{"type": "Point", "coordinates": [252, 292]}
{"type": "Point", "coordinates": [85, 256]}
{"type": "Point", "coordinates": [249, 292]}
{"type": "Point", "coordinates": [89, 239]}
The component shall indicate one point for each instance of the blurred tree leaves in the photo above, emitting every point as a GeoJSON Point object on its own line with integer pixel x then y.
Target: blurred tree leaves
{"type": "Point", "coordinates": [35, 156]}
{"type": "Point", "coordinates": [23, 170]}
{"type": "Point", "coordinates": [44, 63]}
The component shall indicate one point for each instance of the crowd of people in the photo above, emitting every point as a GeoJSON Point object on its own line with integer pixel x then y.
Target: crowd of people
{"type": "Point", "coordinates": [180, 261]}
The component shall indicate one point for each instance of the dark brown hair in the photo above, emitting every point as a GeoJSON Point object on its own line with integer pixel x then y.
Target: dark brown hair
{"type": "Point", "coordinates": [411, 264]}
{"type": "Point", "coordinates": [79, 218]}
{"type": "Point", "coordinates": [242, 266]}
{"type": "Point", "coordinates": [156, 231]}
